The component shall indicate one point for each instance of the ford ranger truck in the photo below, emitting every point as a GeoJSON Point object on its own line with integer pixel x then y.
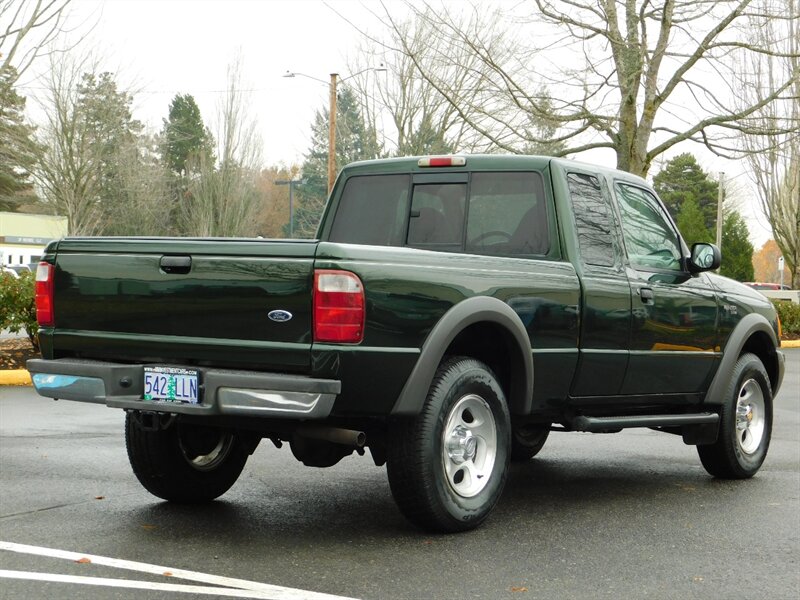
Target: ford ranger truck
{"type": "Point", "coordinates": [452, 313]}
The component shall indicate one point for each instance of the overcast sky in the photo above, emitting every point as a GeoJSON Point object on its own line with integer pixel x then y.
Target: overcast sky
{"type": "Point", "coordinates": [160, 48]}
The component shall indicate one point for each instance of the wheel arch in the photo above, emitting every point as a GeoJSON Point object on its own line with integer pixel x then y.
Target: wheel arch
{"type": "Point", "coordinates": [480, 327]}
{"type": "Point", "coordinates": [752, 334]}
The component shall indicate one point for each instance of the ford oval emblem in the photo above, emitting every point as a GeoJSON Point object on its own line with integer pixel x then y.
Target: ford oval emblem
{"type": "Point", "coordinates": [280, 316]}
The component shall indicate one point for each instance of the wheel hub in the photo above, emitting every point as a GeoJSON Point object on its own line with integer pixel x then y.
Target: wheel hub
{"type": "Point", "coordinates": [469, 446]}
{"type": "Point", "coordinates": [462, 445]}
{"type": "Point", "coordinates": [750, 417]}
{"type": "Point", "coordinates": [744, 416]}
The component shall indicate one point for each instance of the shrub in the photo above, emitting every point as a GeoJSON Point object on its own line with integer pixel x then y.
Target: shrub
{"type": "Point", "coordinates": [17, 305]}
{"type": "Point", "coordinates": [789, 312]}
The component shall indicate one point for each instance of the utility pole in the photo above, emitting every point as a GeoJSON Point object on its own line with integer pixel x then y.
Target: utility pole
{"type": "Point", "coordinates": [332, 134]}
{"type": "Point", "coordinates": [720, 196]}
{"type": "Point", "coordinates": [332, 115]}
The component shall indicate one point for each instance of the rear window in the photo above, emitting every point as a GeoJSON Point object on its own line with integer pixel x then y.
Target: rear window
{"type": "Point", "coordinates": [372, 211]}
{"type": "Point", "coordinates": [437, 216]}
{"type": "Point", "coordinates": [507, 215]}
{"type": "Point", "coordinates": [498, 213]}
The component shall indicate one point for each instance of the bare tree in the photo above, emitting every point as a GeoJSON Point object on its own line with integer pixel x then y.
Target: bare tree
{"type": "Point", "coordinates": [650, 75]}
{"type": "Point", "coordinates": [443, 86]}
{"type": "Point", "coordinates": [27, 29]}
{"type": "Point", "coordinates": [97, 168]}
{"type": "Point", "coordinates": [274, 202]}
{"type": "Point", "coordinates": [223, 197]}
{"type": "Point", "coordinates": [421, 120]}
{"type": "Point", "coordinates": [775, 169]}
{"type": "Point", "coordinates": [67, 174]}
{"type": "Point", "coordinates": [144, 187]}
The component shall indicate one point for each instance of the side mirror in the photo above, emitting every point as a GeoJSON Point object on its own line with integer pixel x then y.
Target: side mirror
{"type": "Point", "coordinates": [705, 257]}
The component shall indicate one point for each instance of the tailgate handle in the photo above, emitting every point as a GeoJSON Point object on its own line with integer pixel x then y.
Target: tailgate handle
{"type": "Point", "coordinates": [176, 264]}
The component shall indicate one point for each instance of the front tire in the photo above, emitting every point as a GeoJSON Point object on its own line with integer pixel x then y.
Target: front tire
{"type": "Point", "coordinates": [447, 467]}
{"type": "Point", "coordinates": [745, 423]}
{"type": "Point", "coordinates": [185, 463]}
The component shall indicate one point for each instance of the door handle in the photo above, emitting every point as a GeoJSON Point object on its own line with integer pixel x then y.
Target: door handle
{"type": "Point", "coordinates": [175, 265]}
{"type": "Point", "coordinates": [647, 295]}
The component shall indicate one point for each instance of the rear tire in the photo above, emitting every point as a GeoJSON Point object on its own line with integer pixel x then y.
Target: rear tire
{"type": "Point", "coordinates": [185, 463]}
{"type": "Point", "coordinates": [745, 423]}
{"type": "Point", "coordinates": [447, 466]}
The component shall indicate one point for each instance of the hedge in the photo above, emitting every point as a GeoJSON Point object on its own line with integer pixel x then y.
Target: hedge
{"type": "Point", "coordinates": [17, 305]}
{"type": "Point", "coordinates": [789, 312]}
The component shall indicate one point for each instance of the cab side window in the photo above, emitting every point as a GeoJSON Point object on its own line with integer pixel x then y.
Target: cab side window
{"type": "Point", "coordinates": [650, 239]}
{"type": "Point", "coordinates": [594, 220]}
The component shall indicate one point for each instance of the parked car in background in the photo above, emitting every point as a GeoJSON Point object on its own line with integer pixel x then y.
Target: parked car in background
{"type": "Point", "coordinates": [20, 269]}
{"type": "Point", "coordinates": [758, 285]}
{"type": "Point", "coordinates": [10, 271]}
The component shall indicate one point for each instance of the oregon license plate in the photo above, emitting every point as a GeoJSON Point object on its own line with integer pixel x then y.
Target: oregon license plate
{"type": "Point", "coordinates": [171, 384]}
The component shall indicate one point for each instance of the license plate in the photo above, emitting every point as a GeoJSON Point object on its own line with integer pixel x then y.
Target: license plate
{"type": "Point", "coordinates": [171, 384]}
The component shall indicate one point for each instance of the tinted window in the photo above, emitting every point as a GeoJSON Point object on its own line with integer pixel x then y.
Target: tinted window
{"type": "Point", "coordinates": [437, 216]}
{"type": "Point", "coordinates": [507, 215]}
{"type": "Point", "coordinates": [649, 238]}
{"type": "Point", "coordinates": [593, 220]}
{"type": "Point", "coordinates": [372, 210]}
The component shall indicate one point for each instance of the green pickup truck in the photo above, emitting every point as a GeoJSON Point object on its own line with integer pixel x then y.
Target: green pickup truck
{"type": "Point", "coordinates": [451, 314]}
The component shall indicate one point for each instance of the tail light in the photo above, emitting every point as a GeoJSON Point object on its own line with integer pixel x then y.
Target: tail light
{"type": "Point", "coordinates": [338, 307]}
{"type": "Point", "coordinates": [45, 273]}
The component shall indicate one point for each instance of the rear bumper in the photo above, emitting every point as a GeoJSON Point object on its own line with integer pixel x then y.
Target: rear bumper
{"type": "Point", "coordinates": [223, 392]}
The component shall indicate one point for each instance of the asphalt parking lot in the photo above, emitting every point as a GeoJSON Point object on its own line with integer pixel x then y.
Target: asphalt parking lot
{"type": "Point", "coordinates": [631, 515]}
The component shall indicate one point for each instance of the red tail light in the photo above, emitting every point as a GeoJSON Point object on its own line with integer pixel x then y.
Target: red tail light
{"type": "Point", "coordinates": [338, 307]}
{"type": "Point", "coordinates": [45, 273]}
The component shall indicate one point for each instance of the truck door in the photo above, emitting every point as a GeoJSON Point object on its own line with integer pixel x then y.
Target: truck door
{"type": "Point", "coordinates": [605, 291]}
{"type": "Point", "coordinates": [673, 330]}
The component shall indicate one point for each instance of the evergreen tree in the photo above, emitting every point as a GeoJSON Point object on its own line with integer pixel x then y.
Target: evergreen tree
{"type": "Point", "coordinates": [113, 135]}
{"type": "Point", "coordinates": [682, 179]}
{"type": "Point", "coordinates": [691, 224]}
{"type": "Point", "coordinates": [18, 150]}
{"type": "Point", "coordinates": [186, 139]}
{"type": "Point", "coordinates": [737, 251]}
{"type": "Point", "coordinates": [354, 141]}
{"type": "Point", "coordinates": [186, 148]}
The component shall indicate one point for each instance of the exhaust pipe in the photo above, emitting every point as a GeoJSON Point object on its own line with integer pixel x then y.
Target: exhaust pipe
{"type": "Point", "coordinates": [336, 435]}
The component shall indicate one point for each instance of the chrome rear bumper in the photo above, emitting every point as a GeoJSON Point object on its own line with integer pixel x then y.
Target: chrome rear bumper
{"type": "Point", "coordinates": [223, 392]}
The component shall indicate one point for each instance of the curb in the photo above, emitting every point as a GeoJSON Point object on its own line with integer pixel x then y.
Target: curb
{"type": "Point", "coordinates": [790, 344]}
{"type": "Point", "coordinates": [15, 377]}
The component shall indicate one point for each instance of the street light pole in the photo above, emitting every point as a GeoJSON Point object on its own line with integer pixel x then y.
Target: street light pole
{"type": "Point", "coordinates": [291, 183]}
{"type": "Point", "coordinates": [332, 134]}
{"type": "Point", "coordinates": [332, 116]}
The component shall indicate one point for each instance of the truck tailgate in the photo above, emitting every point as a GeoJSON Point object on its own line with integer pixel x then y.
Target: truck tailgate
{"type": "Point", "coordinates": [184, 300]}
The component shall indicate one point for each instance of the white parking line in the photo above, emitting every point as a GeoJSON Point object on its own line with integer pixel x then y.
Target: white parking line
{"type": "Point", "coordinates": [238, 588]}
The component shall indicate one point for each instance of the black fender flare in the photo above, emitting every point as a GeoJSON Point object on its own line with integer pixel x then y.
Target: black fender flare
{"type": "Point", "coordinates": [478, 309]}
{"type": "Point", "coordinates": [749, 325]}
